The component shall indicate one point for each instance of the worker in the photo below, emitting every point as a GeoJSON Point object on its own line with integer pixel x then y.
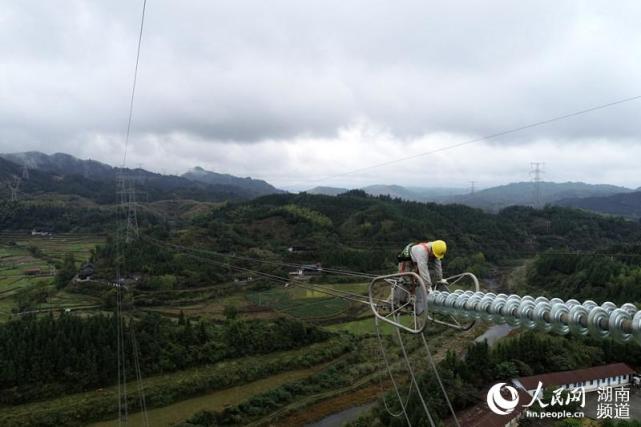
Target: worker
{"type": "Point", "coordinates": [417, 258]}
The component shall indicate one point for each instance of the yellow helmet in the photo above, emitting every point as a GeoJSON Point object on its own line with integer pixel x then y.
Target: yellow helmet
{"type": "Point", "coordinates": [439, 248]}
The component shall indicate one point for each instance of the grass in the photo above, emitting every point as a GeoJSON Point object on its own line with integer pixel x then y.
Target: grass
{"type": "Point", "coordinates": [305, 303]}
{"type": "Point", "coordinates": [362, 327]}
{"type": "Point", "coordinates": [55, 246]}
{"type": "Point", "coordinates": [321, 308]}
{"type": "Point", "coordinates": [15, 258]}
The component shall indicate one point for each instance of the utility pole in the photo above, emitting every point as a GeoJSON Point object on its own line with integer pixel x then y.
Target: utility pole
{"type": "Point", "coordinates": [535, 172]}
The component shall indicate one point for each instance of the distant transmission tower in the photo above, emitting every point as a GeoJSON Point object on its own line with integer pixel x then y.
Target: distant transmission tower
{"type": "Point", "coordinates": [25, 171]}
{"type": "Point", "coordinates": [127, 192]}
{"type": "Point", "coordinates": [472, 188]}
{"type": "Point", "coordinates": [536, 171]}
{"type": "Point", "coordinates": [14, 187]}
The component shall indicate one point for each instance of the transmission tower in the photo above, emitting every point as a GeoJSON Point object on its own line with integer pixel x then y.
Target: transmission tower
{"type": "Point", "coordinates": [472, 187]}
{"type": "Point", "coordinates": [25, 171]}
{"type": "Point", "coordinates": [127, 192]}
{"type": "Point", "coordinates": [14, 187]}
{"type": "Point", "coordinates": [535, 172]}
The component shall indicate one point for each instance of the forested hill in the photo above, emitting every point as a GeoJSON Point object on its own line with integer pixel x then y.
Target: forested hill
{"type": "Point", "coordinates": [96, 182]}
{"type": "Point", "coordinates": [364, 232]}
{"type": "Point", "coordinates": [624, 204]}
{"type": "Point", "coordinates": [257, 187]}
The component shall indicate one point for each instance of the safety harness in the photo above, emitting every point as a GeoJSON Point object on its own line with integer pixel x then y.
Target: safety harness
{"type": "Point", "coordinates": [406, 254]}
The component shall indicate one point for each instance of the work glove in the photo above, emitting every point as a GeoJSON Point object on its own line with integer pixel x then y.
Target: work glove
{"type": "Point", "coordinates": [442, 284]}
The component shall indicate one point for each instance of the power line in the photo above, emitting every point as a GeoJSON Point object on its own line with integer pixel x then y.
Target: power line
{"type": "Point", "coordinates": [133, 87]}
{"type": "Point", "coordinates": [483, 138]}
{"type": "Point", "coordinates": [264, 261]}
{"type": "Point", "coordinates": [126, 195]}
{"type": "Point", "coordinates": [329, 291]}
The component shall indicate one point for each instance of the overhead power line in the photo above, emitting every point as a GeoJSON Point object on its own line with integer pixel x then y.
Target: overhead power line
{"type": "Point", "coordinates": [262, 260]}
{"type": "Point", "coordinates": [123, 410]}
{"type": "Point", "coordinates": [483, 138]}
{"type": "Point", "coordinates": [133, 86]}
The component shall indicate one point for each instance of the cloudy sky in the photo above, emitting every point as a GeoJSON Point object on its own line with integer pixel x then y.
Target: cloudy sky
{"type": "Point", "coordinates": [300, 92]}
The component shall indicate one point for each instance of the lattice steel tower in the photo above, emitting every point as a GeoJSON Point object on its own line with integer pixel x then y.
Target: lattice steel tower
{"type": "Point", "coordinates": [127, 192]}
{"type": "Point", "coordinates": [535, 172]}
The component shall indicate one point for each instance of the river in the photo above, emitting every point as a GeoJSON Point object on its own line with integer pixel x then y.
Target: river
{"type": "Point", "coordinates": [494, 333]}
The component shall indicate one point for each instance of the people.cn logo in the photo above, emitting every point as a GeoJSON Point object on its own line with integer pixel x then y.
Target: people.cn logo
{"type": "Point", "coordinates": [499, 404]}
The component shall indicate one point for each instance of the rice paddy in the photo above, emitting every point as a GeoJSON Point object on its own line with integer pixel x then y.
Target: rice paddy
{"type": "Point", "coordinates": [27, 261]}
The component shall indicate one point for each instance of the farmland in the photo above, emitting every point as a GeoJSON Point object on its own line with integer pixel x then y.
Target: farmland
{"type": "Point", "coordinates": [302, 303]}
{"type": "Point", "coordinates": [305, 304]}
{"type": "Point", "coordinates": [197, 383]}
{"type": "Point", "coordinates": [55, 246]}
{"type": "Point", "coordinates": [29, 261]}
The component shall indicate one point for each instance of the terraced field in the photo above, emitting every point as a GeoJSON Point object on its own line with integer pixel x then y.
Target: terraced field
{"type": "Point", "coordinates": [307, 304]}
{"type": "Point", "coordinates": [362, 327]}
{"type": "Point", "coordinates": [27, 261]}
{"type": "Point", "coordinates": [54, 246]}
{"type": "Point", "coordinates": [292, 301]}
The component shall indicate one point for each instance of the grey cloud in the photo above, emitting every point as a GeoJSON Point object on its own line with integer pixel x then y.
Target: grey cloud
{"type": "Point", "coordinates": [248, 71]}
{"type": "Point", "coordinates": [245, 71]}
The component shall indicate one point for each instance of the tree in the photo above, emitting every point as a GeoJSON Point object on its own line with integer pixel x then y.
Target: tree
{"type": "Point", "coordinates": [230, 312]}
{"type": "Point", "coordinates": [66, 272]}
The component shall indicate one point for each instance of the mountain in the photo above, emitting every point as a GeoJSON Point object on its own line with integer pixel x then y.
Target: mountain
{"type": "Point", "coordinates": [257, 187]}
{"type": "Point", "coordinates": [62, 164]}
{"type": "Point", "coordinates": [438, 193]}
{"type": "Point", "coordinates": [394, 191]}
{"type": "Point", "coordinates": [413, 194]}
{"type": "Point", "coordinates": [327, 191]}
{"type": "Point", "coordinates": [623, 204]}
{"type": "Point", "coordinates": [63, 174]}
{"type": "Point", "coordinates": [523, 193]}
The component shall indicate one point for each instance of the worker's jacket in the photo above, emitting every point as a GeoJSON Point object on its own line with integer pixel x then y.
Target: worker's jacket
{"type": "Point", "coordinates": [422, 260]}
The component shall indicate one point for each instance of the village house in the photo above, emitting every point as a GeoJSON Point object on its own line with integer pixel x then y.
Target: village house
{"type": "Point", "coordinates": [307, 270]}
